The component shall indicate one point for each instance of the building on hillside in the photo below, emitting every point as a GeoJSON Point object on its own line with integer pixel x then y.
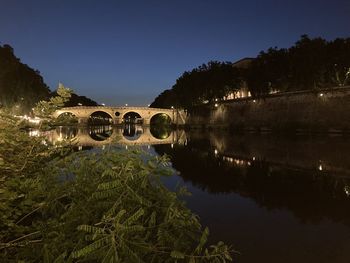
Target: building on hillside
{"type": "Point", "coordinates": [243, 92]}
{"type": "Point", "coordinates": [243, 63]}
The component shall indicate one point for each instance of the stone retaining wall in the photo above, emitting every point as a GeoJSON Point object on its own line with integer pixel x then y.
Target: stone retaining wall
{"type": "Point", "coordinates": [316, 111]}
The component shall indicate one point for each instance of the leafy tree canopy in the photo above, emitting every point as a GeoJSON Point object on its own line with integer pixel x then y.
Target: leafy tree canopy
{"type": "Point", "coordinates": [205, 83]}
{"type": "Point", "coordinates": [308, 64]}
{"type": "Point", "coordinates": [21, 87]}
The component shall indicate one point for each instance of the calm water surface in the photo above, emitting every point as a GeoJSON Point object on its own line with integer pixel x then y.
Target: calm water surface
{"type": "Point", "coordinates": [275, 199]}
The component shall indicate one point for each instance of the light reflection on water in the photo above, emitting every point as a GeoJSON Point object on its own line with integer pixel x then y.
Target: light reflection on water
{"type": "Point", "coordinates": [276, 199]}
{"type": "Point", "coordinates": [98, 136]}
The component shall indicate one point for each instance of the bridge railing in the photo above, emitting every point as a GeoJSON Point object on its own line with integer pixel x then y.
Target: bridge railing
{"type": "Point", "coordinates": [116, 108]}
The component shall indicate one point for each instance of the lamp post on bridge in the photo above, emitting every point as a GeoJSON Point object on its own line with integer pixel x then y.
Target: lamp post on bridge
{"type": "Point", "coordinates": [172, 107]}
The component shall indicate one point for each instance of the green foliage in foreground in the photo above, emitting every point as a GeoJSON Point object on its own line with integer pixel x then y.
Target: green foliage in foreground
{"type": "Point", "coordinates": [99, 206]}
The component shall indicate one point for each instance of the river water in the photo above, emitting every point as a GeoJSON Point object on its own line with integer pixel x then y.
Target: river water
{"type": "Point", "coordinates": [274, 198]}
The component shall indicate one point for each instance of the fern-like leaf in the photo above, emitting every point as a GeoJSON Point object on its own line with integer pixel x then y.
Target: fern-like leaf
{"type": "Point", "coordinates": [91, 229]}
{"type": "Point", "coordinates": [133, 218]}
{"type": "Point", "coordinates": [91, 248]}
{"type": "Point", "coordinates": [177, 254]}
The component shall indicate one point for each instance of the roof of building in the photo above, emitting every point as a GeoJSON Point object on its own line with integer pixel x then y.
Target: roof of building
{"type": "Point", "coordinates": [243, 63]}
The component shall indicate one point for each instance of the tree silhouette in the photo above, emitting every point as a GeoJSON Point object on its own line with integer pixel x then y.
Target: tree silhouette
{"type": "Point", "coordinates": [309, 64]}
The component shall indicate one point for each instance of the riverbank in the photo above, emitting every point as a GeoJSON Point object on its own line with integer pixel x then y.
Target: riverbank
{"type": "Point", "coordinates": [319, 111]}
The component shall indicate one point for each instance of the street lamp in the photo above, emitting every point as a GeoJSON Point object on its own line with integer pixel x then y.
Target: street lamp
{"type": "Point", "coordinates": [126, 105]}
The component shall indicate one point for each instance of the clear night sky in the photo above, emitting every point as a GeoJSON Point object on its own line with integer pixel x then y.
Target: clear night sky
{"type": "Point", "coordinates": [120, 52]}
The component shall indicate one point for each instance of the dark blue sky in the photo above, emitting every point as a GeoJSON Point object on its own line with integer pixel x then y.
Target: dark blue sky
{"type": "Point", "coordinates": [120, 52]}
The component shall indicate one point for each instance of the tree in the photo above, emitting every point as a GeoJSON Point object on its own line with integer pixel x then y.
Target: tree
{"type": "Point", "coordinates": [204, 83]}
{"type": "Point", "coordinates": [45, 109]}
{"type": "Point", "coordinates": [21, 87]}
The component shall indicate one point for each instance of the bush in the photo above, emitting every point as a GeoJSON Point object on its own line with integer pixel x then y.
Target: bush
{"type": "Point", "coordinates": [99, 206]}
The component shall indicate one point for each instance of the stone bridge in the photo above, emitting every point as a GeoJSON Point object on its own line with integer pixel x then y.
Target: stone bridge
{"type": "Point", "coordinates": [85, 136]}
{"type": "Point", "coordinates": [83, 113]}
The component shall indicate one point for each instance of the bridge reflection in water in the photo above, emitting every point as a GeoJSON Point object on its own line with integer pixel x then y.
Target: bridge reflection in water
{"type": "Point", "coordinates": [129, 134]}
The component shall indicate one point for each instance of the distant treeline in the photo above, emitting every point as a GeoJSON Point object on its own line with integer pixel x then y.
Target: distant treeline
{"type": "Point", "coordinates": [21, 87]}
{"type": "Point", "coordinates": [308, 64]}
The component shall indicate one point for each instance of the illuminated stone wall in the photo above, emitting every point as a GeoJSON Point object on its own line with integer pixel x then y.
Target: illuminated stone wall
{"type": "Point", "coordinates": [318, 111]}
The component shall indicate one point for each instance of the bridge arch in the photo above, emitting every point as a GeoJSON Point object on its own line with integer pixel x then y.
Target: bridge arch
{"type": "Point", "coordinates": [161, 118]}
{"type": "Point", "coordinates": [132, 117]}
{"type": "Point", "coordinates": [67, 117]}
{"type": "Point", "coordinates": [100, 117]}
{"type": "Point", "coordinates": [66, 113]}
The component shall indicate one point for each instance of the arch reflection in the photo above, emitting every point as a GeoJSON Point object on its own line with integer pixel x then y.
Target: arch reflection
{"type": "Point", "coordinates": [100, 133]}
{"type": "Point", "coordinates": [132, 132]}
{"type": "Point", "coordinates": [160, 132]}
{"type": "Point", "coordinates": [66, 132]}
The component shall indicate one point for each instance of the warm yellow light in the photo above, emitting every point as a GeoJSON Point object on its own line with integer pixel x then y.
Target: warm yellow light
{"type": "Point", "coordinates": [34, 133]}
